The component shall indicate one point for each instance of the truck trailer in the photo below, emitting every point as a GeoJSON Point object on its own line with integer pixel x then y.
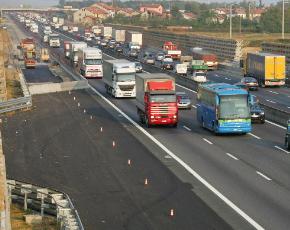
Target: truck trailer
{"type": "Point", "coordinates": [156, 99]}
{"type": "Point", "coordinates": [107, 31]}
{"type": "Point", "coordinates": [53, 40]}
{"type": "Point", "coordinates": [171, 49]}
{"type": "Point", "coordinates": [90, 62]}
{"type": "Point", "coordinates": [269, 69]}
{"type": "Point", "coordinates": [209, 59]}
{"type": "Point", "coordinates": [74, 48]}
{"type": "Point", "coordinates": [119, 77]}
{"type": "Point", "coordinates": [119, 35]}
{"type": "Point", "coordinates": [28, 49]}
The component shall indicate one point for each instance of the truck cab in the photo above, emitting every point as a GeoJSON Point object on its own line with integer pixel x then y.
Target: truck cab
{"type": "Point", "coordinates": [287, 137]}
{"type": "Point", "coordinates": [54, 41]}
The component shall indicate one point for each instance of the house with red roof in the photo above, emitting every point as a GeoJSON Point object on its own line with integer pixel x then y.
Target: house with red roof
{"type": "Point", "coordinates": [152, 9]}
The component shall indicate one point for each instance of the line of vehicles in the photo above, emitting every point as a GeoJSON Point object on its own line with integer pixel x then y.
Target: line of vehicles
{"type": "Point", "coordinates": [221, 107]}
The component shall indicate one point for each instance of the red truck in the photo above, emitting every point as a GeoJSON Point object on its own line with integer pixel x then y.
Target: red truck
{"type": "Point", "coordinates": [156, 99]}
{"type": "Point", "coordinates": [27, 46]}
{"type": "Point", "coordinates": [209, 59]}
{"type": "Point", "coordinates": [171, 49]}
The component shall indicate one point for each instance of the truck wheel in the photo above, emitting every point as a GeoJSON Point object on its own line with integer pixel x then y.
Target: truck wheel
{"type": "Point", "coordinates": [147, 122]}
{"type": "Point", "coordinates": [287, 144]}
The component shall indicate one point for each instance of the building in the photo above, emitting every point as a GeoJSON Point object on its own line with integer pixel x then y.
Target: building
{"type": "Point", "coordinates": [152, 9]}
{"type": "Point", "coordinates": [189, 16]}
{"type": "Point", "coordinates": [127, 12]}
{"type": "Point", "coordinates": [89, 15]}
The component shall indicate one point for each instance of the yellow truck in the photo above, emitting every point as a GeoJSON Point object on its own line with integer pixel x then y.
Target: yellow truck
{"type": "Point", "coordinates": [269, 69]}
{"type": "Point", "coordinates": [44, 55]}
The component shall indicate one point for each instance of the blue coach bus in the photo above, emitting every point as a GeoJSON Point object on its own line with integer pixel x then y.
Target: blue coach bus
{"type": "Point", "coordinates": [224, 108]}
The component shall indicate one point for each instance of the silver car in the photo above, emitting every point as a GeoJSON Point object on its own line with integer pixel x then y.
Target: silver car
{"type": "Point", "coordinates": [183, 100]}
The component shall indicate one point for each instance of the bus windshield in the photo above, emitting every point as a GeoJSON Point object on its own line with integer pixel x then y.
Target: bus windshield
{"type": "Point", "coordinates": [234, 107]}
{"type": "Point", "coordinates": [93, 61]}
{"type": "Point", "coordinates": [163, 98]}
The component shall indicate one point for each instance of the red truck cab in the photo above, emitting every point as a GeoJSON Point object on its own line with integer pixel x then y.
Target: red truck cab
{"type": "Point", "coordinates": [171, 49]}
{"type": "Point", "coordinates": [156, 99]}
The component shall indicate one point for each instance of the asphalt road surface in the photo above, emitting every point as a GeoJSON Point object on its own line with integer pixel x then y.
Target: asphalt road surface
{"type": "Point", "coordinates": [56, 144]}
{"type": "Point", "coordinates": [40, 74]}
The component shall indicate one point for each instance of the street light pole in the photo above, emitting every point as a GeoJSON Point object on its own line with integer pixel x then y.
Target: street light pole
{"type": "Point", "coordinates": [231, 21]}
{"type": "Point", "coordinates": [283, 19]}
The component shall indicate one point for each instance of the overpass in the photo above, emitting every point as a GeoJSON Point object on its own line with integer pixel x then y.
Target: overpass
{"type": "Point", "coordinates": [37, 10]}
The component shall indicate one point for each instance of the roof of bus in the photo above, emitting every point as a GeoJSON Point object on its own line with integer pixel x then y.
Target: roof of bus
{"type": "Point", "coordinates": [224, 89]}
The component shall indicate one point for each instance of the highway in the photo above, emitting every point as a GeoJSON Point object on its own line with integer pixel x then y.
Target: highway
{"type": "Point", "coordinates": [249, 170]}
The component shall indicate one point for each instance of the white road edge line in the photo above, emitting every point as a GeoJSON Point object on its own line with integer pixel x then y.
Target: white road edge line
{"type": "Point", "coordinates": [264, 176]}
{"type": "Point", "coordinates": [272, 123]}
{"type": "Point", "coordinates": [188, 129]}
{"type": "Point", "coordinates": [253, 135]}
{"type": "Point", "coordinates": [232, 156]}
{"type": "Point", "coordinates": [183, 164]}
{"type": "Point", "coordinates": [206, 140]}
{"type": "Point", "coordinates": [283, 150]}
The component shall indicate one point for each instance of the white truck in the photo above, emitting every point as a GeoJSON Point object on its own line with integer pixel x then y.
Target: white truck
{"type": "Point", "coordinates": [75, 29]}
{"type": "Point", "coordinates": [55, 19]}
{"type": "Point", "coordinates": [90, 62]}
{"type": "Point", "coordinates": [61, 21]}
{"type": "Point", "coordinates": [74, 48]}
{"type": "Point", "coordinates": [107, 31]}
{"type": "Point", "coordinates": [97, 30]}
{"type": "Point", "coordinates": [119, 77]}
{"type": "Point", "coordinates": [47, 30]}
{"type": "Point", "coordinates": [181, 69]}
{"type": "Point", "coordinates": [119, 35]}
{"type": "Point", "coordinates": [65, 28]}
{"type": "Point", "coordinates": [133, 43]}
{"type": "Point", "coordinates": [53, 40]}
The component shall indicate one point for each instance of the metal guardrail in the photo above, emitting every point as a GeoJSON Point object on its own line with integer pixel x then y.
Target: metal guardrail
{"type": "Point", "coordinates": [46, 201]}
{"type": "Point", "coordinates": [15, 104]}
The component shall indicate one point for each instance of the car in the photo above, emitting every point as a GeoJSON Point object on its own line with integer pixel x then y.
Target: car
{"type": "Point", "coordinates": [118, 48]}
{"type": "Point", "coordinates": [167, 64]}
{"type": "Point", "coordinates": [199, 76]}
{"type": "Point", "coordinates": [138, 67]}
{"type": "Point", "coordinates": [183, 100]}
{"type": "Point", "coordinates": [287, 137]}
{"type": "Point", "coordinates": [103, 43]}
{"type": "Point", "coordinates": [149, 60]}
{"type": "Point", "coordinates": [111, 44]}
{"type": "Point", "coordinates": [159, 56]}
{"type": "Point", "coordinates": [251, 82]}
{"type": "Point", "coordinates": [257, 113]}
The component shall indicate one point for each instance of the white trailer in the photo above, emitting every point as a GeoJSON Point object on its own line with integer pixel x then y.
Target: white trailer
{"type": "Point", "coordinates": [55, 19]}
{"type": "Point", "coordinates": [60, 21]}
{"type": "Point", "coordinates": [134, 38]}
{"type": "Point", "coordinates": [90, 62]}
{"type": "Point", "coordinates": [107, 31]}
{"type": "Point", "coordinates": [119, 77]}
{"type": "Point", "coordinates": [119, 35]}
{"type": "Point", "coordinates": [97, 30]}
{"type": "Point", "coordinates": [34, 28]}
{"type": "Point", "coordinates": [181, 69]}
{"type": "Point", "coordinates": [47, 30]}
{"type": "Point", "coordinates": [74, 47]}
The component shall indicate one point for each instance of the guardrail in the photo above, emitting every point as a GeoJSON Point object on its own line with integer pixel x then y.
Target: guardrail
{"type": "Point", "coordinates": [15, 104]}
{"type": "Point", "coordinates": [46, 201]}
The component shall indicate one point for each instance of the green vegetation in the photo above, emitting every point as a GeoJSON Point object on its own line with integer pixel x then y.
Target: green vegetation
{"type": "Point", "coordinates": [206, 19]}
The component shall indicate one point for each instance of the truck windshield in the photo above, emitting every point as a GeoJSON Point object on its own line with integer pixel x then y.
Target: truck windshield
{"type": "Point", "coordinates": [234, 107]}
{"type": "Point", "coordinates": [125, 77]}
{"type": "Point", "coordinates": [163, 98]}
{"type": "Point", "coordinates": [93, 61]}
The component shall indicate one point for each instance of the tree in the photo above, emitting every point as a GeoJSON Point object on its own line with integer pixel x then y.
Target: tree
{"type": "Point", "coordinates": [175, 12]}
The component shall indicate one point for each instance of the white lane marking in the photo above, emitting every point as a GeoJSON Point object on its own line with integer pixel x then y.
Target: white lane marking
{"type": "Point", "coordinates": [277, 125]}
{"type": "Point", "coordinates": [232, 156]}
{"type": "Point", "coordinates": [186, 88]}
{"type": "Point", "coordinates": [193, 106]}
{"type": "Point", "coordinates": [206, 140]}
{"type": "Point", "coordinates": [188, 129]}
{"type": "Point", "coordinates": [273, 102]}
{"type": "Point", "coordinates": [272, 92]}
{"type": "Point", "coordinates": [283, 150]}
{"type": "Point", "coordinates": [216, 75]}
{"type": "Point", "coordinates": [183, 164]}
{"type": "Point", "coordinates": [253, 135]}
{"type": "Point", "coordinates": [288, 107]}
{"type": "Point", "coordinates": [264, 176]}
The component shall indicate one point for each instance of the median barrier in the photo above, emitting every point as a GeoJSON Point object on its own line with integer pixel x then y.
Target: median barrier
{"type": "Point", "coordinates": [276, 115]}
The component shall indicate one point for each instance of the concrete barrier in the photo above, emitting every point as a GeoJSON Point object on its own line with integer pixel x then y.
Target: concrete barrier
{"type": "Point", "coordinates": [5, 223]}
{"type": "Point", "coordinates": [276, 115]}
{"type": "Point", "coordinates": [57, 87]}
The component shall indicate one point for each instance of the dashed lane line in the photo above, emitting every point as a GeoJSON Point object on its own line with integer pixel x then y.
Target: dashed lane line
{"type": "Point", "coordinates": [232, 156]}
{"type": "Point", "coordinates": [253, 135]}
{"type": "Point", "coordinates": [206, 140]}
{"type": "Point", "coordinates": [264, 176]}
{"type": "Point", "coordinates": [188, 129]}
{"type": "Point", "coordinates": [281, 149]}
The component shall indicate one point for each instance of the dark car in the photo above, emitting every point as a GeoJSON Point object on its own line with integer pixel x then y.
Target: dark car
{"type": "Point", "coordinates": [183, 100]}
{"type": "Point", "coordinates": [167, 65]}
{"type": "Point", "coordinates": [287, 137]}
{"type": "Point", "coordinates": [251, 82]}
{"type": "Point", "coordinates": [118, 48]}
{"type": "Point", "coordinates": [138, 67]}
{"type": "Point", "coordinates": [257, 113]}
